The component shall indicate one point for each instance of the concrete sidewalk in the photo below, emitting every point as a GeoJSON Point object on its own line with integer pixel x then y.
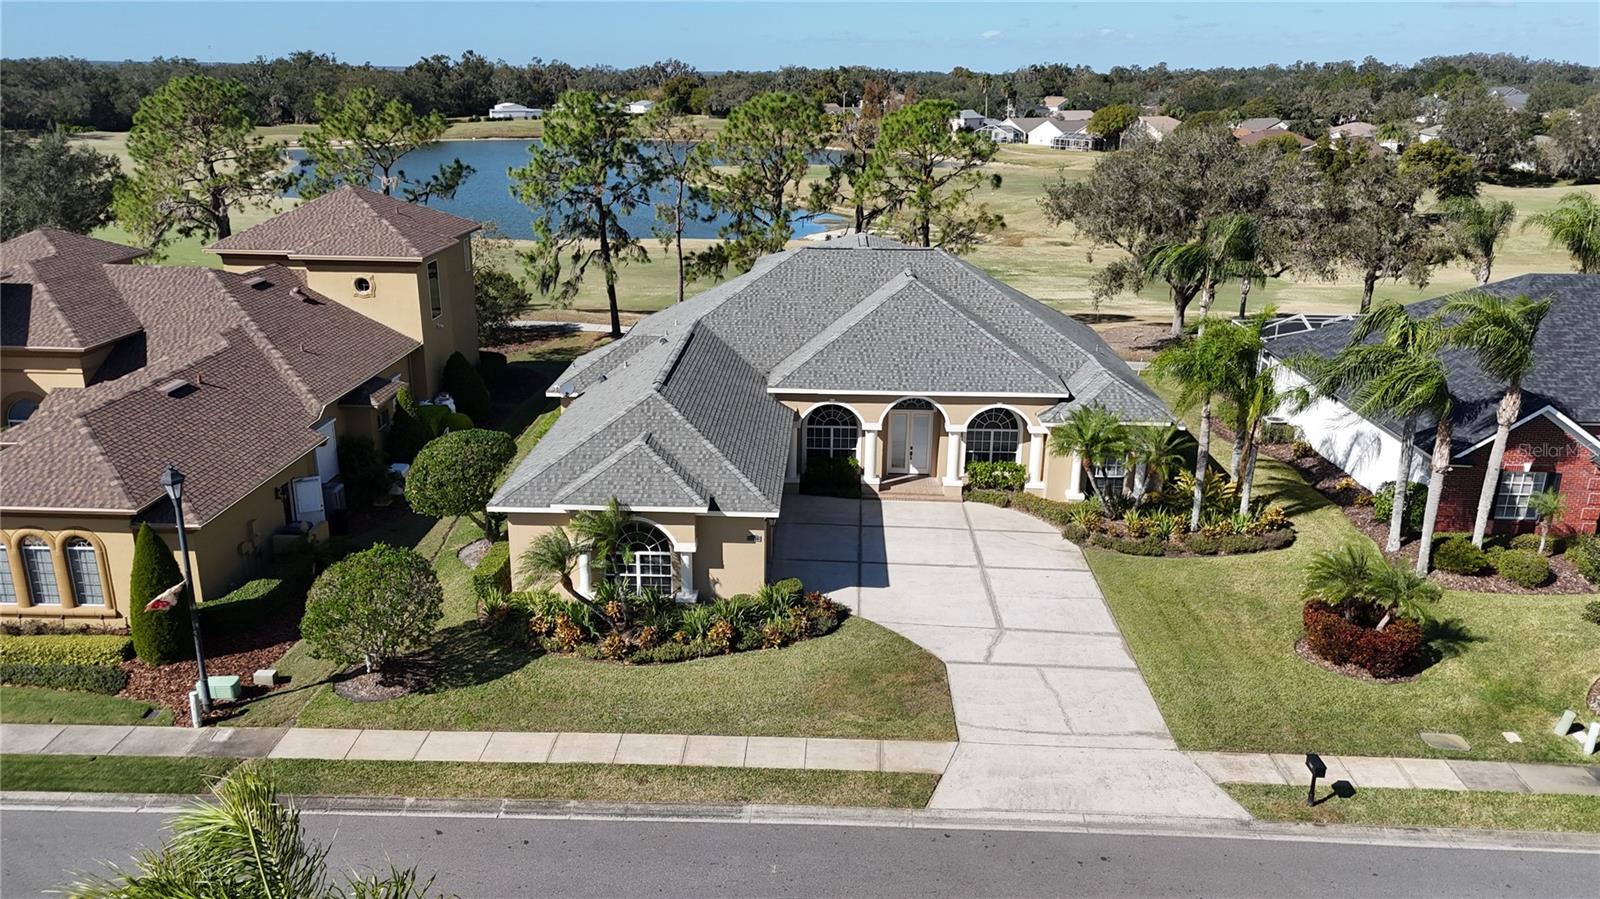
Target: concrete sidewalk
{"type": "Point", "coordinates": [808, 753]}
{"type": "Point", "coordinates": [1460, 775]}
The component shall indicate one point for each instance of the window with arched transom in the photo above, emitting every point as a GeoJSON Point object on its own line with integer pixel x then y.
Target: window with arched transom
{"type": "Point", "coordinates": [994, 436]}
{"type": "Point", "coordinates": [644, 561]}
{"type": "Point", "coordinates": [831, 433]}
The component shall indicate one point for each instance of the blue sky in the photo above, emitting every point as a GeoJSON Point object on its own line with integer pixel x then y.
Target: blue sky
{"type": "Point", "coordinates": [713, 36]}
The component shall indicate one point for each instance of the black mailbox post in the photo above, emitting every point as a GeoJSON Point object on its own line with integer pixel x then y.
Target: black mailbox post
{"type": "Point", "coordinates": [1318, 768]}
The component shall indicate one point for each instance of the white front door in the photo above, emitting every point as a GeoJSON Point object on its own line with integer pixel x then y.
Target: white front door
{"type": "Point", "coordinates": [911, 442]}
{"type": "Point", "coordinates": [307, 495]}
{"type": "Point", "coordinates": [328, 452]}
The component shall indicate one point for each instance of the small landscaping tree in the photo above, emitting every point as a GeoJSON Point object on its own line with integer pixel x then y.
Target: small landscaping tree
{"type": "Point", "coordinates": [466, 387]}
{"type": "Point", "coordinates": [1094, 434]}
{"type": "Point", "coordinates": [407, 434]}
{"type": "Point", "coordinates": [455, 475]}
{"type": "Point", "coordinates": [372, 606]}
{"type": "Point", "coordinates": [1154, 451]}
{"type": "Point", "coordinates": [1546, 506]}
{"type": "Point", "coordinates": [159, 638]}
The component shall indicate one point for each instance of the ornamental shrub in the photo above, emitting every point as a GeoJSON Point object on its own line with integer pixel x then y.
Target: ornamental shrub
{"type": "Point", "coordinates": [992, 497]}
{"type": "Point", "coordinates": [1523, 567]}
{"type": "Point", "coordinates": [455, 475]}
{"type": "Point", "coordinates": [438, 420]}
{"type": "Point", "coordinates": [492, 366]}
{"type": "Point", "coordinates": [1147, 546]}
{"type": "Point", "coordinates": [996, 475]}
{"type": "Point", "coordinates": [363, 469]}
{"type": "Point", "coordinates": [372, 606]}
{"type": "Point", "coordinates": [832, 477]}
{"type": "Point", "coordinates": [1416, 505]}
{"type": "Point", "coordinates": [1591, 611]}
{"type": "Point", "coordinates": [1457, 555]}
{"type": "Point", "coordinates": [108, 679]}
{"type": "Point", "coordinates": [1584, 554]}
{"type": "Point", "coordinates": [159, 638]}
{"type": "Point", "coordinates": [492, 576]}
{"type": "Point", "coordinates": [407, 433]}
{"type": "Point", "coordinates": [65, 649]}
{"type": "Point", "coordinates": [466, 387]}
{"type": "Point", "coordinates": [1393, 651]}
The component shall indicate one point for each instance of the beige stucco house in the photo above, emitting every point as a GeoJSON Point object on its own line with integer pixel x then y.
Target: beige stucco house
{"type": "Point", "coordinates": [705, 415]}
{"type": "Point", "coordinates": [246, 378]}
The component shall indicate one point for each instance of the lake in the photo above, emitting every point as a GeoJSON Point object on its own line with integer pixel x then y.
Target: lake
{"type": "Point", "coordinates": [486, 196]}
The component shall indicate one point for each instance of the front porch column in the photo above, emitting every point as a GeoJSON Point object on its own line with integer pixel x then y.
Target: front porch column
{"type": "Point", "coordinates": [584, 572]}
{"type": "Point", "coordinates": [686, 590]}
{"type": "Point", "coordinates": [1037, 437]}
{"type": "Point", "coordinates": [869, 453]}
{"type": "Point", "coordinates": [792, 470]}
{"type": "Point", "coordinates": [956, 439]}
{"type": "Point", "coordinates": [1075, 485]}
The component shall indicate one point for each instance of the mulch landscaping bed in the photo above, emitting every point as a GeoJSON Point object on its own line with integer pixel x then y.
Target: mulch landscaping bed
{"type": "Point", "coordinates": [1333, 483]}
{"type": "Point", "coordinates": [473, 552]}
{"type": "Point", "coordinates": [1594, 696]}
{"type": "Point", "coordinates": [378, 686]}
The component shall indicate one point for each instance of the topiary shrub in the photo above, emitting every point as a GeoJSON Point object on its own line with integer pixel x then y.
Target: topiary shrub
{"type": "Point", "coordinates": [455, 475]}
{"type": "Point", "coordinates": [1393, 651]}
{"type": "Point", "coordinates": [1591, 611]}
{"type": "Point", "coordinates": [437, 420]}
{"type": "Point", "coordinates": [1457, 555]}
{"type": "Point", "coordinates": [1523, 567]}
{"type": "Point", "coordinates": [365, 474]}
{"type": "Point", "coordinates": [996, 475]}
{"type": "Point", "coordinates": [832, 477]}
{"type": "Point", "coordinates": [1416, 505]}
{"type": "Point", "coordinates": [372, 606]}
{"type": "Point", "coordinates": [159, 638]}
{"type": "Point", "coordinates": [493, 367]}
{"type": "Point", "coordinates": [466, 387]}
{"type": "Point", "coordinates": [493, 574]}
{"type": "Point", "coordinates": [407, 434]}
{"type": "Point", "coordinates": [1584, 554]}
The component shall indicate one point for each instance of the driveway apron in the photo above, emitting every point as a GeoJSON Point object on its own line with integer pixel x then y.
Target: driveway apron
{"type": "Point", "coordinates": [1051, 711]}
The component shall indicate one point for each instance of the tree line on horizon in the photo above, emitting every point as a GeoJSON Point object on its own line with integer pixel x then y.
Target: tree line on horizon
{"type": "Point", "coordinates": [42, 93]}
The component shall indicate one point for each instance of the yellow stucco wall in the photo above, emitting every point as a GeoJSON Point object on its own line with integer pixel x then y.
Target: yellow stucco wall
{"type": "Point", "coordinates": [33, 374]}
{"type": "Point", "coordinates": [112, 538]}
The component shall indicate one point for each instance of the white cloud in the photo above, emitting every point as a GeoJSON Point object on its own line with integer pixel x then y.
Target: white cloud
{"type": "Point", "coordinates": [991, 34]}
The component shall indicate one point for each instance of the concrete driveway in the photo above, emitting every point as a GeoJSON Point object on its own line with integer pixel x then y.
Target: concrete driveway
{"type": "Point", "coordinates": [1051, 711]}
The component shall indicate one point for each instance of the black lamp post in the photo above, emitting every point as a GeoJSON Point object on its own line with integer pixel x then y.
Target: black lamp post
{"type": "Point", "coordinates": [172, 483]}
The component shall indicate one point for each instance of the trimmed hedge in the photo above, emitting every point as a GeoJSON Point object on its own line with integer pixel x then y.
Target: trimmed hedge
{"type": "Point", "coordinates": [493, 574]}
{"type": "Point", "coordinates": [999, 498]}
{"type": "Point", "coordinates": [281, 589]}
{"type": "Point", "coordinates": [832, 477]}
{"type": "Point", "coordinates": [1416, 505]}
{"type": "Point", "coordinates": [466, 387]}
{"type": "Point", "coordinates": [1457, 555]}
{"type": "Point", "coordinates": [1584, 554]}
{"type": "Point", "coordinates": [1555, 545]}
{"type": "Point", "coordinates": [1523, 567]}
{"type": "Point", "coordinates": [83, 678]}
{"type": "Point", "coordinates": [407, 434]}
{"type": "Point", "coordinates": [1393, 651]}
{"type": "Point", "coordinates": [66, 649]}
{"type": "Point", "coordinates": [996, 475]}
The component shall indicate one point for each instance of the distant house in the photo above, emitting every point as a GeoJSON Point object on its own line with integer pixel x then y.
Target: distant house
{"type": "Point", "coordinates": [1251, 138]}
{"type": "Point", "coordinates": [1004, 133]}
{"type": "Point", "coordinates": [1064, 134]}
{"type": "Point", "coordinates": [1555, 445]}
{"type": "Point", "coordinates": [1052, 103]}
{"type": "Point", "coordinates": [639, 107]}
{"type": "Point", "coordinates": [1428, 135]}
{"type": "Point", "coordinates": [1353, 131]}
{"type": "Point", "coordinates": [1514, 98]}
{"type": "Point", "coordinates": [1152, 127]}
{"type": "Point", "coordinates": [967, 120]}
{"type": "Point", "coordinates": [1261, 123]}
{"type": "Point", "coordinates": [514, 111]}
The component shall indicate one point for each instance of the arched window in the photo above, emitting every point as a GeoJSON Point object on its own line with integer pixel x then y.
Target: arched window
{"type": "Point", "coordinates": [19, 411]}
{"type": "Point", "coordinates": [41, 570]}
{"type": "Point", "coordinates": [8, 588]}
{"type": "Point", "coordinates": [831, 433]}
{"type": "Point", "coordinates": [645, 561]}
{"type": "Point", "coordinates": [993, 436]}
{"type": "Point", "coordinates": [83, 570]}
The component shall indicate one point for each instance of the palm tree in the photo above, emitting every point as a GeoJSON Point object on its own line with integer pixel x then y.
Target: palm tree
{"type": "Point", "coordinates": [1478, 227]}
{"type": "Point", "coordinates": [1501, 334]}
{"type": "Point", "coordinates": [1393, 131]}
{"type": "Point", "coordinates": [1253, 391]}
{"type": "Point", "coordinates": [1153, 450]}
{"type": "Point", "coordinates": [244, 844]}
{"type": "Point", "coordinates": [1430, 379]}
{"type": "Point", "coordinates": [1546, 506]}
{"type": "Point", "coordinates": [1227, 248]}
{"type": "Point", "coordinates": [1401, 591]}
{"type": "Point", "coordinates": [1575, 224]}
{"type": "Point", "coordinates": [1376, 379]}
{"type": "Point", "coordinates": [555, 554]}
{"type": "Point", "coordinates": [1201, 367]}
{"type": "Point", "coordinates": [1339, 577]}
{"type": "Point", "coordinates": [1094, 435]}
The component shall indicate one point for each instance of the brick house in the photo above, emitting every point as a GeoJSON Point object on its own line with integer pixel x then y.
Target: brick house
{"type": "Point", "coordinates": [1554, 446]}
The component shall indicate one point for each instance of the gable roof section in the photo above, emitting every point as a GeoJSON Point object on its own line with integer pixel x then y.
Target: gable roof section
{"type": "Point", "coordinates": [639, 470]}
{"type": "Point", "coordinates": [1566, 356]}
{"type": "Point", "coordinates": [352, 222]}
{"type": "Point", "coordinates": [42, 242]}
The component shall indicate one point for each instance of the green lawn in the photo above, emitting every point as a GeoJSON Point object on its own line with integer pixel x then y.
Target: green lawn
{"type": "Point", "coordinates": [1214, 638]}
{"type": "Point", "coordinates": [37, 705]}
{"type": "Point", "coordinates": [1424, 808]}
{"type": "Point", "coordinates": [606, 783]}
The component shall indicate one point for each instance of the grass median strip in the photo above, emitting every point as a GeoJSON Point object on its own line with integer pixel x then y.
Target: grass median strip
{"type": "Point", "coordinates": [1424, 808]}
{"type": "Point", "coordinates": [37, 705]}
{"type": "Point", "coordinates": [484, 780]}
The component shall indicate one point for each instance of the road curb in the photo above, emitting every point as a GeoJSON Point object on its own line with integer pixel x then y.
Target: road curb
{"type": "Point", "coordinates": [789, 815]}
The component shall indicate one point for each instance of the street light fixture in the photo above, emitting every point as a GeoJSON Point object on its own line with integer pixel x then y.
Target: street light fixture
{"type": "Point", "coordinates": [172, 482]}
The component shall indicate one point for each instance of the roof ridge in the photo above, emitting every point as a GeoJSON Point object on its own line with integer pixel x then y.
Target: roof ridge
{"type": "Point", "coordinates": [1006, 343]}
{"type": "Point", "coordinates": [738, 472]}
{"type": "Point", "coordinates": [627, 449]}
{"type": "Point", "coordinates": [840, 326]}
{"type": "Point", "coordinates": [264, 344]}
{"type": "Point", "coordinates": [533, 472]}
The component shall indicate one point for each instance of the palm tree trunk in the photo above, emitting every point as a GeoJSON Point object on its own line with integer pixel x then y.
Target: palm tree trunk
{"type": "Point", "coordinates": [1208, 295]}
{"type": "Point", "coordinates": [1247, 481]}
{"type": "Point", "coordinates": [1402, 480]}
{"type": "Point", "coordinates": [1140, 479]}
{"type": "Point", "coordinates": [1237, 452]}
{"type": "Point", "coordinates": [1505, 417]}
{"type": "Point", "coordinates": [1483, 271]}
{"type": "Point", "coordinates": [1201, 457]}
{"type": "Point", "coordinates": [1430, 515]}
{"type": "Point", "coordinates": [1244, 297]}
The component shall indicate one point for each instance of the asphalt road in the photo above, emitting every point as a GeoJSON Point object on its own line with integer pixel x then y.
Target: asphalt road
{"type": "Point", "coordinates": [527, 857]}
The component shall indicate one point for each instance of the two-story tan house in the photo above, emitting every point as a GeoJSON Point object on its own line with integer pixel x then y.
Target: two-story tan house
{"type": "Point", "coordinates": [908, 360]}
{"type": "Point", "coordinates": [246, 378]}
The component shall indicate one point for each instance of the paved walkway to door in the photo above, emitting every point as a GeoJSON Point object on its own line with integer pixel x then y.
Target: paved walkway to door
{"type": "Point", "coordinates": [1051, 711]}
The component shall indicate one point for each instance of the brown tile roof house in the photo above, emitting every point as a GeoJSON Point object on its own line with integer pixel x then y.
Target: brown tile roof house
{"type": "Point", "coordinates": [223, 374]}
{"type": "Point", "coordinates": [352, 223]}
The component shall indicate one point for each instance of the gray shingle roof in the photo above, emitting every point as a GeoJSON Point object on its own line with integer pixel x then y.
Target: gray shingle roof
{"type": "Point", "coordinates": [1566, 356]}
{"type": "Point", "coordinates": [687, 391]}
{"type": "Point", "coordinates": [352, 222]}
